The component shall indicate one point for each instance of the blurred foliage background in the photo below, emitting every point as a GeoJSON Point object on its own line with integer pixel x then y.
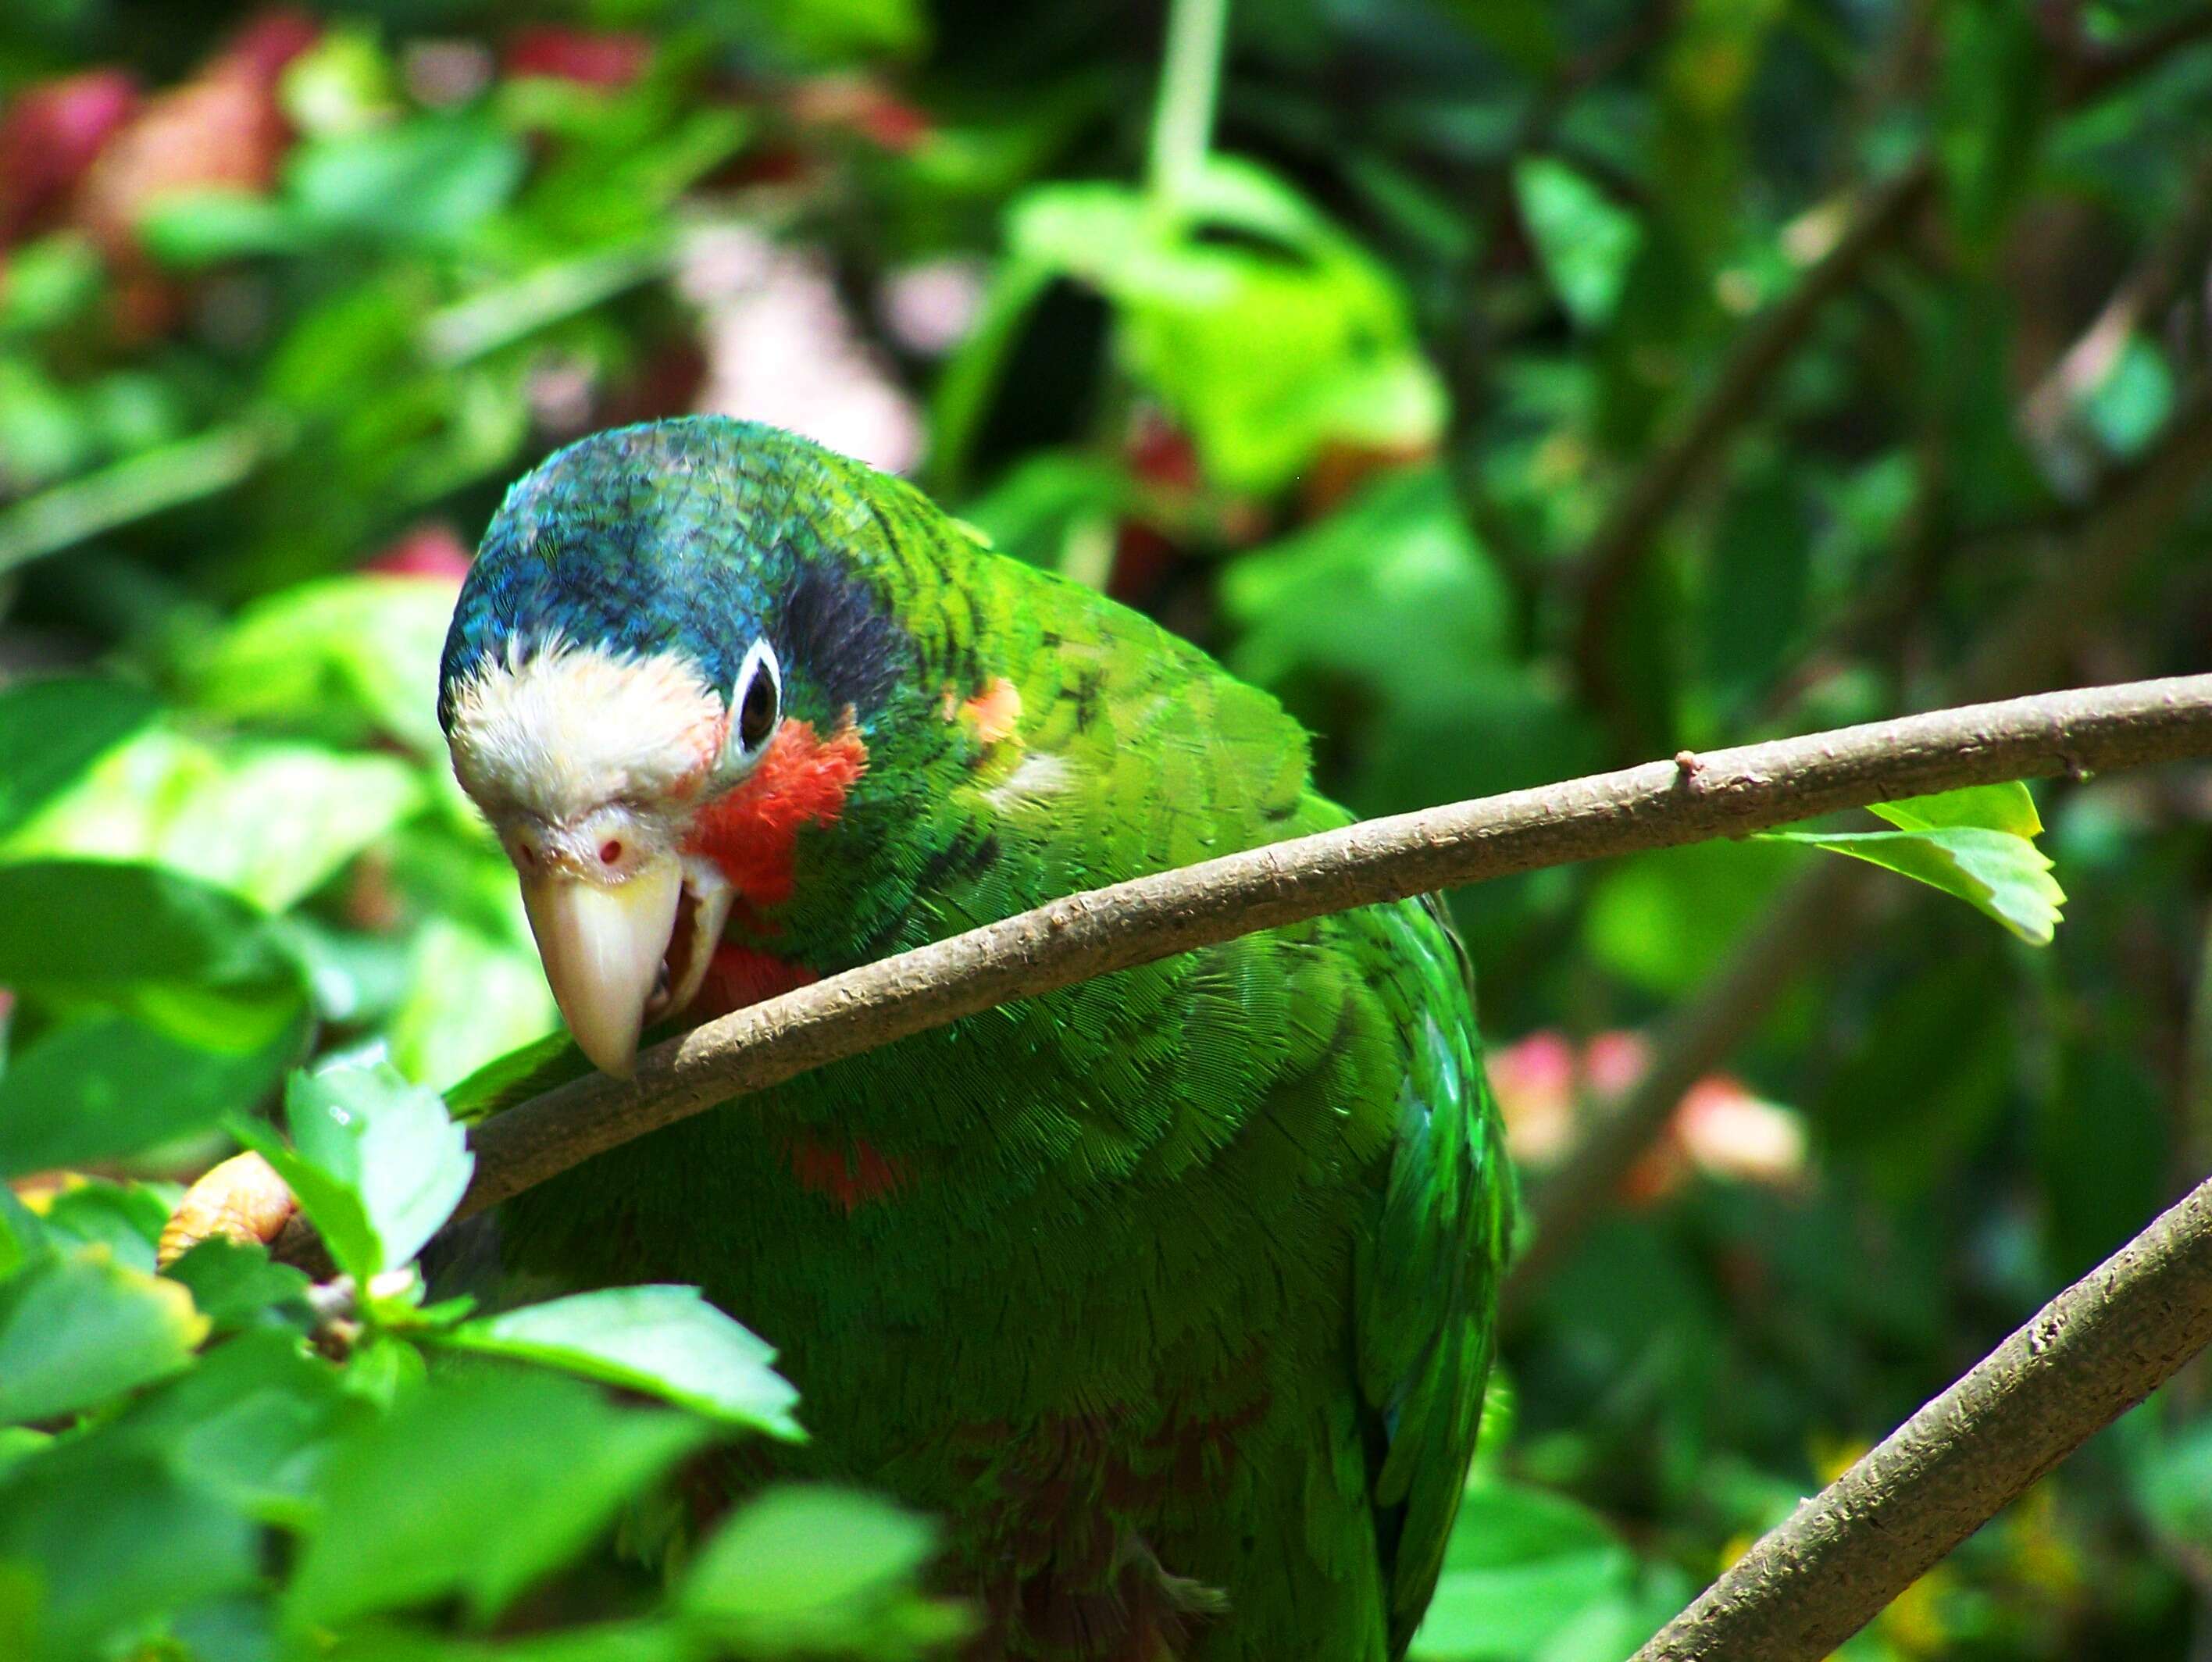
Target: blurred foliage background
{"type": "Point", "coordinates": [1514, 388]}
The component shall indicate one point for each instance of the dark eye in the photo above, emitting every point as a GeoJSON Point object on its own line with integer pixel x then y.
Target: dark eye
{"type": "Point", "coordinates": [760, 698]}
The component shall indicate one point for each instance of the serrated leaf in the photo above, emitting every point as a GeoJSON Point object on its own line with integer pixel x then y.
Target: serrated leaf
{"type": "Point", "coordinates": [668, 1341]}
{"type": "Point", "coordinates": [78, 1328]}
{"type": "Point", "coordinates": [376, 1162]}
{"type": "Point", "coordinates": [476, 1486]}
{"type": "Point", "coordinates": [1997, 872]}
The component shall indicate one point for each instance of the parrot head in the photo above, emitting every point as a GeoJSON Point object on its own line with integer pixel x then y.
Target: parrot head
{"type": "Point", "coordinates": [662, 665]}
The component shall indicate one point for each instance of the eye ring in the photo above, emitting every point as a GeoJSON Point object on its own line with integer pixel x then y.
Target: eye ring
{"type": "Point", "coordinates": [756, 702]}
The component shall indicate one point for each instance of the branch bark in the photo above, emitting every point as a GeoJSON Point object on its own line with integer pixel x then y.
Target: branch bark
{"type": "Point", "coordinates": [2098, 1348]}
{"type": "Point", "coordinates": [1728, 792]}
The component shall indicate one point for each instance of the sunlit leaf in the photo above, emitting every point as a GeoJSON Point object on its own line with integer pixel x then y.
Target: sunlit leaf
{"type": "Point", "coordinates": [667, 1341]}
{"type": "Point", "coordinates": [340, 657]}
{"type": "Point", "coordinates": [2005, 876]}
{"type": "Point", "coordinates": [428, 180]}
{"type": "Point", "coordinates": [376, 1163]}
{"type": "Point", "coordinates": [2007, 806]}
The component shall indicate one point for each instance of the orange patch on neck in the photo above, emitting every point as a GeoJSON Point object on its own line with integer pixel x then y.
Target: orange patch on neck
{"type": "Point", "coordinates": [996, 711]}
{"type": "Point", "coordinates": [751, 832]}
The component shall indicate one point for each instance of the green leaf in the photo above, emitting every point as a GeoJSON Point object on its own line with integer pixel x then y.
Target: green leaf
{"type": "Point", "coordinates": [1521, 1565]}
{"type": "Point", "coordinates": [427, 180]}
{"type": "Point", "coordinates": [76, 1329]}
{"type": "Point", "coordinates": [815, 1569]}
{"type": "Point", "coordinates": [665, 1340]}
{"type": "Point", "coordinates": [103, 1086]}
{"type": "Point", "coordinates": [471, 997]}
{"type": "Point", "coordinates": [268, 822]}
{"type": "Point", "coordinates": [476, 1486]}
{"type": "Point", "coordinates": [252, 1424]}
{"type": "Point", "coordinates": [114, 1538]}
{"type": "Point", "coordinates": [1266, 331]}
{"type": "Point", "coordinates": [190, 229]}
{"type": "Point", "coordinates": [1398, 555]}
{"type": "Point", "coordinates": [612, 1641]}
{"type": "Point", "coordinates": [340, 657]}
{"type": "Point", "coordinates": [124, 1219]}
{"type": "Point", "coordinates": [2007, 806]}
{"type": "Point", "coordinates": [376, 1162]}
{"type": "Point", "coordinates": [51, 730]}
{"type": "Point", "coordinates": [95, 926]}
{"type": "Point", "coordinates": [2005, 876]}
{"type": "Point", "coordinates": [236, 1286]}
{"type": "Point", "coordinates": [1586, 241]}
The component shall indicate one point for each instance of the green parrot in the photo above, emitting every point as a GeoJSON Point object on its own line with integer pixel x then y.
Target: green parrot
{"type": "Point", "coordinates": [1172, 1294]}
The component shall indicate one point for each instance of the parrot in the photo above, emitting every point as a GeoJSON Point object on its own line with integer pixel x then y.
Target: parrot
{"type": "Point", "coordinates": [1172, 1294]}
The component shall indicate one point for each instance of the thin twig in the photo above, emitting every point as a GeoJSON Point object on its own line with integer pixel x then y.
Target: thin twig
{"type": "Point", "coordinates": [1661, 804]}
{"type": "Point", "coordinates": [1625, 536]}
{"type": "Point", "coordinates": [2098, 1348]}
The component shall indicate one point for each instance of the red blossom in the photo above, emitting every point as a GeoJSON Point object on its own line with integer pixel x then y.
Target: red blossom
{"type": "Point", "coordinates": [588, 57]}
{"type": "Point", "coordinates": [48, 139]}
{"type": "Point", "coordinates": [268, 42]}
{"type": "Point", "coordinates": [433, 548]}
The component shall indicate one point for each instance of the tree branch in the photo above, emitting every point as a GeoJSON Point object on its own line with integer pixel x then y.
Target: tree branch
{"type": "Point", "coordinates": [1660, 804]}
{"type": "Point", "coordinates": [2098, 1348]}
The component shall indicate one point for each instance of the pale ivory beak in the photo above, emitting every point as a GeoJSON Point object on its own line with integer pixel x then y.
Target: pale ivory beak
{"type": "Point", "coordinates": [602, 948]}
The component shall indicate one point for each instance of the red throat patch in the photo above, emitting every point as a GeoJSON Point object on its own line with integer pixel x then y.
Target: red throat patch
{"type": "Point", "coordinates": [803, 779]}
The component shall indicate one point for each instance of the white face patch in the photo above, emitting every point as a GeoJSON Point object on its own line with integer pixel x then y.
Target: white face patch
{"type": "Point", "coordinates": [568, 729]}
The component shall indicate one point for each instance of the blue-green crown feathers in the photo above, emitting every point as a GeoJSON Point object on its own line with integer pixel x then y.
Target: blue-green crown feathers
{"type": "Point", "coordinates": [692, 536]}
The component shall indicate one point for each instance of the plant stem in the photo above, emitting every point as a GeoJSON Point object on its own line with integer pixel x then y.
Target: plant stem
{"type": "Point", "coordinates": [1190, 83]}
